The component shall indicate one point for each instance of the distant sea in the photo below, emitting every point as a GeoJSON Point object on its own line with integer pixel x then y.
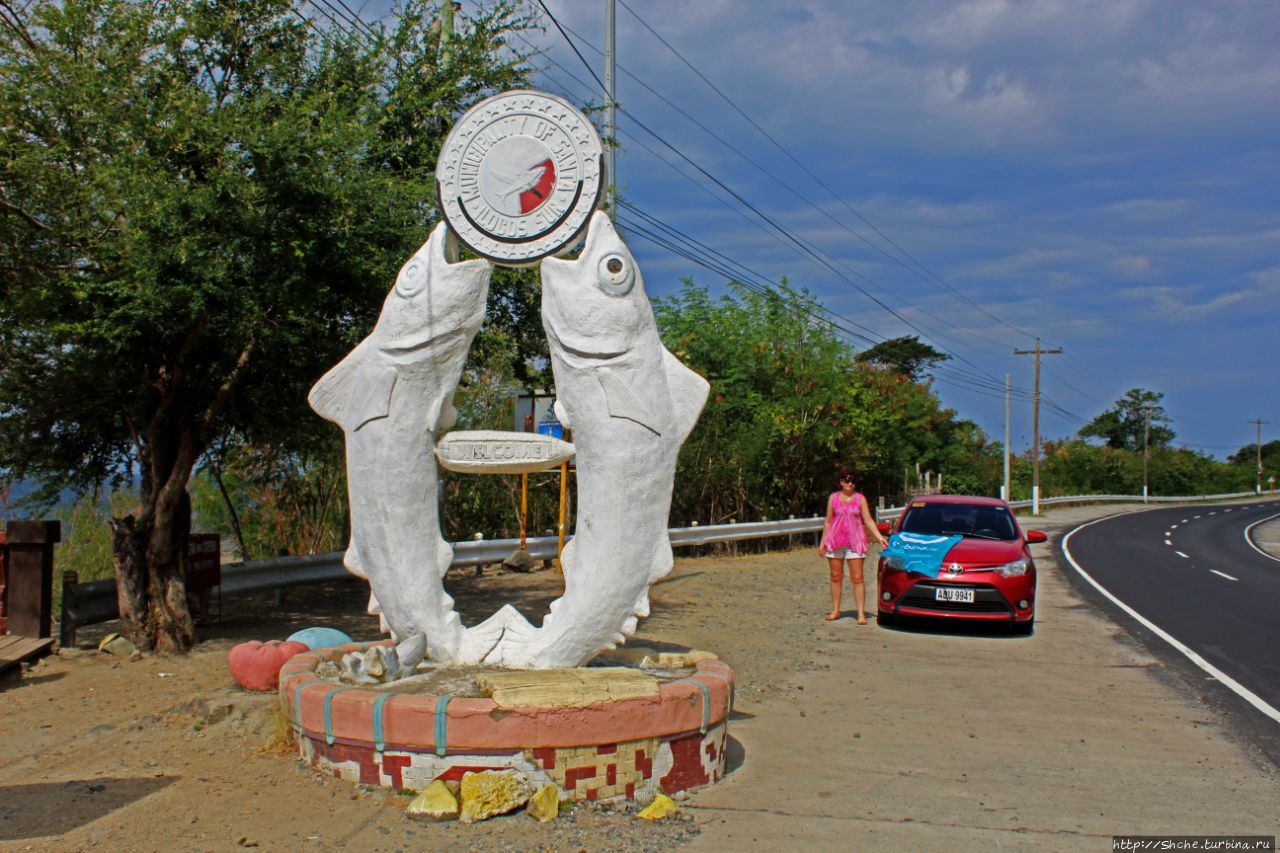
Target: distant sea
{"type": "Point", "coordinates": [20, 490]}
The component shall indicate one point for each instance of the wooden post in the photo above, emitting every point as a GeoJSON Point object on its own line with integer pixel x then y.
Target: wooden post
{"type": "Point", "coordinates": [4, 596]}
{"type": "Point", "coordinates": [524, 507]}
{"type": "Point", "coordinates": [29, 582]}
{"type": "Point", "coordinates": [564, 485]}
{"type": "Point", "coordinates": [66, 620]}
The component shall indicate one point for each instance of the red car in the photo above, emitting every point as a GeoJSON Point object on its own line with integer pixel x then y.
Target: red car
{"type": "Point", "coordinates": [988, 575]}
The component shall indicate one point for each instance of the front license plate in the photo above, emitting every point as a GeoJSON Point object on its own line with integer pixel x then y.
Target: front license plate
{"type": "Point", "coordinates": [943, 593]}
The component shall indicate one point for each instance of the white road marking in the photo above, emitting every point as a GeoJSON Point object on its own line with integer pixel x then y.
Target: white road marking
{"type": "Point", "coordinates": [1167, 542]}
{"type": "Point", "coordinates": [1195, 516]}
{"type": "Point", "coordinates": [1215, 512]}
{"type": "Point", "coordinates": [1173, 527]}
{"type": "Point", "coordinates": [1249, 539]}
{"type": "Point", "coordinates": [1223, 575]}
{"type": "Point", "coordinates": [1227, 681]}
{"type": "Point", "coordinates": [1226, 510]}
{"type": "Point", "coordinates": [1182, 555]}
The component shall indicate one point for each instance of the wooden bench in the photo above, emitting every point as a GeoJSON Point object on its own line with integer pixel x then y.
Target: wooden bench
{"type": "Point", "coordinates": [15, 651]}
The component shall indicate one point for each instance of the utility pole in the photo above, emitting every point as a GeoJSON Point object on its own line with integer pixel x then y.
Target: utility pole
{"type": "Point", "coordinates": [610, 106]}
{"type": "Point", "coordinates": [1257, 441]}
{"type": "Point", "coordinates": [1146, 444]}
{"type": "Point", "coordinates": [1004, 489]}
{"type": "Point", "coordinates": [1035, 421]}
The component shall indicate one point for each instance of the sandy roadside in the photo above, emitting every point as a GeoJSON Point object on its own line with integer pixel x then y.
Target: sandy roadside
{"type": "Point", "coordinates": [941, 741]}
{"type": "Point", "coordinates": [848, 736]}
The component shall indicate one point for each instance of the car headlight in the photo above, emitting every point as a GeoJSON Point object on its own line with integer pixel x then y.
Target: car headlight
{"type": "Point", "coordinates": [1012, 570]}
{"type": "Point", "coordinates": [893, 561]}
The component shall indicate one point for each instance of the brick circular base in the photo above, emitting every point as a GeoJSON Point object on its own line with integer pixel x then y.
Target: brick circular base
{"type": "Point", "coordinates": [626, 748]}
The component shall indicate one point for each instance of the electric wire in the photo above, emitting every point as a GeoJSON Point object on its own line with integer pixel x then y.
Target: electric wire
{"type": "Point", "coordinates": [990, 383]}
{"type": "Point", "coordinates": [957, 294]}
{"type": "Point", "coordinates": [806, 200]}
{"type": "Point", "coordinates": [804, 249]}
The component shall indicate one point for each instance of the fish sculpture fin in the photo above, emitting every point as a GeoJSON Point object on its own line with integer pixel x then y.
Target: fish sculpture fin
{"type": "Point", "coordinates": [352, 563]}
{"type": "Point", "coordinates": [562, 414]}
{"type": "Point", "coordinates": [444, 558]}
{"type": "Point", "coordinates": [493, 639]}
{"type": "Point", "coordinates": [623, 404]}
{"type": "Point", "coordinates": [355, 391]}
{"type": "Point", "coordinates": [568, 562]}
{"type": "Point", "coordinates": [663, 560]}
{"type": "Point", "coordinates": [447, 418]}
{"type": "Point", "coordinates": [688, 394]}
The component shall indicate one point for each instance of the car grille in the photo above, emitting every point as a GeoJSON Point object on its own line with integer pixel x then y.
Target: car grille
{"type": "Point", "coordinates": [985, 599]}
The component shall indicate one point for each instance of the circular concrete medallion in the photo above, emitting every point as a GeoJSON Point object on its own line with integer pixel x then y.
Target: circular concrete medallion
{"type": "Point", "coordinates": [519, 176]}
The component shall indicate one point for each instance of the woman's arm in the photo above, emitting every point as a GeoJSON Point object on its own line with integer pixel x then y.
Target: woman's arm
{"type": "Point", "coordinates": [822, 541]}
{"type": "Point", "coordinates": [871, 524]}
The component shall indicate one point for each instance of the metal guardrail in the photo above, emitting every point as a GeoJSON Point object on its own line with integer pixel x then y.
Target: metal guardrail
{"type": "Point", "coordinates": [95, 602]}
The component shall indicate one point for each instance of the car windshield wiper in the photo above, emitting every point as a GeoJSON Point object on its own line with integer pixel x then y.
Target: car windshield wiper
{"type": "Point", "coordinates": [974, 535]}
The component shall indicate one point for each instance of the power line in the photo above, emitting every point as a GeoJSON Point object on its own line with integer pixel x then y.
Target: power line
{"type": "Point", "coordinates": [819, 181]}
{"type": "Point", "coordinates": [793, 191]}
{"type": "Point", "coordinates": [804, 249]}
{"type": "Point", "coordinates": [941, 372]}
{"type": "Point", "coordinates": [969, 381]}
{"type": "Point", "coordinates": [948, 375]}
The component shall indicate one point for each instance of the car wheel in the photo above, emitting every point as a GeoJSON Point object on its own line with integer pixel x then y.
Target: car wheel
{"type": "Point", "coordinates": [884, 617]}
{"type": "Point", "coordinates": [1025, 629]}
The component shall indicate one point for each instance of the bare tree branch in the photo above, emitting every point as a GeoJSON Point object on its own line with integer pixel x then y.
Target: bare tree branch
{"type": "Point", "coordinates": [13, 208]}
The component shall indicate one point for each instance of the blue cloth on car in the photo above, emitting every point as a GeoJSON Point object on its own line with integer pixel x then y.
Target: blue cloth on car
{"type": "Point", "coordinates": [920, 552]}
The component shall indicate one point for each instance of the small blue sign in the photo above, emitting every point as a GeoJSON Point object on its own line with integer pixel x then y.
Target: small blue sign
{"type": "Point", "coordinates": [555, 429]}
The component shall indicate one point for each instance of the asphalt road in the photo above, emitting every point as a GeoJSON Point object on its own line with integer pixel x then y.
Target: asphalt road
{"type": "Point", "coordinates": [1193, 576]}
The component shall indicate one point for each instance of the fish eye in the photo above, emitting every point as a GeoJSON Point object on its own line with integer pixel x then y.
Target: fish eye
{"type": "Point", "coordinates": [616, 275]}
{"type": "Point", "coordinates": [412, 278]}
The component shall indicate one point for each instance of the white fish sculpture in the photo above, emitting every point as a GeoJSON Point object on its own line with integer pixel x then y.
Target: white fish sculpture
{"type": "Point", "coordinates": [631, 404]}
{"type": "Point", "coordinates": [393, 397]}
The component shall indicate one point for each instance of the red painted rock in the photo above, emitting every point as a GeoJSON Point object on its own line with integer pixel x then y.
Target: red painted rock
{"type": "Point", "coordinates": [256, 666]}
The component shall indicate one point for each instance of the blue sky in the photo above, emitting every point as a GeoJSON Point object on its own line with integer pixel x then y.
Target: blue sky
{"type": "Point", "coordinates": [1103, 175]}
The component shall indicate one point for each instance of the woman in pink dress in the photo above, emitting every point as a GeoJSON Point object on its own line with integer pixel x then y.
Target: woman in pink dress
{"type": "Point", "coordinates": [844, 537]}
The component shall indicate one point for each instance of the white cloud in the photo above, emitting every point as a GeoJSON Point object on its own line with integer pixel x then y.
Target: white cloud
{"type": "Point", "coordinates": [1191, 303]}
{"type": "Point", "coordinates": [1133, 266]}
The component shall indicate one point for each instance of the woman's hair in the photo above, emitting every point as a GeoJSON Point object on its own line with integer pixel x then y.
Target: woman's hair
{"type": "Point", "coordinates": [845, 474]}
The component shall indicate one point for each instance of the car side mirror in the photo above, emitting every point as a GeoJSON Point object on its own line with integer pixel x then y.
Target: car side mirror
{"type": "Point", "coordinates": [884, 527]}
{"type": "Point", "coordinates": [1036, 536]}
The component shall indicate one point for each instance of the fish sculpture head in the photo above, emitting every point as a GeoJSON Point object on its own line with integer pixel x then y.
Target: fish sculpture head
{"type": "Point", "coordinates": [432, 296]}
{"type": "Point", "coordinates": [595, 305]}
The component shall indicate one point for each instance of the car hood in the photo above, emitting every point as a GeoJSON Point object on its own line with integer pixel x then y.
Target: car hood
{"type": "Point", "coordinates": [984, 552]}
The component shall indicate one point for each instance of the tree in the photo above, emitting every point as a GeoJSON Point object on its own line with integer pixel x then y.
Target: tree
{"type": "Point", "coordinates": [905, 355]}
{"type": "Point", "coordinates": [1248, 455]}
{"type": "Point", "coordinates": [1124, 426]}
{"type": "Point", "coordinates": [789, 404]}
{"type": "Point", "coordinates": [202, 204]}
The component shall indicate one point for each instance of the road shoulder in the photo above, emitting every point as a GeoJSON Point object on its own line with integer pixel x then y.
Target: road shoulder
{"type": "Point", "coordinates": [930, 739]}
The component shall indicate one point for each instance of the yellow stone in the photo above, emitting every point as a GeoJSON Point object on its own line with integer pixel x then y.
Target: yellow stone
{"type": "Point", "coordinates": [661, 807]}
{"type": "Point", "coordinates": [566, 688]}
{"type": "Point", "coordinates": [544, 805]}
{"type": "Point", "coordinates": [435, 803]}
{"type": "Point", "coordinates": [492, 792]}
{"type": "Point", "coordinates": [647, 658]}
{"type": "Point", "coordinates": [118, 645]}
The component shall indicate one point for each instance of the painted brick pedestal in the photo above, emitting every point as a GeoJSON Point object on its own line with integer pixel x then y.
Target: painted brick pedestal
{"type": "Point", "coordinates": [626, 748]}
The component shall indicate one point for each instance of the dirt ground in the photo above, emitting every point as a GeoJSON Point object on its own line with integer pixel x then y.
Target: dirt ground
{"type": "Point", "coordinates": [840, 733]}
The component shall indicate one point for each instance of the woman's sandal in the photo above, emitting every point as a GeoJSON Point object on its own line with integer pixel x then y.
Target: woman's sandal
{"type": "Point", "coordinates": [862, 620]}
{"type": "Point", "coordinates": [833, 615]}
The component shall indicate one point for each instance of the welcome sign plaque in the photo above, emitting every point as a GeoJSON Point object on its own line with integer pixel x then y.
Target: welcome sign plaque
{"type": "Point", "coordinates": [519, 176]}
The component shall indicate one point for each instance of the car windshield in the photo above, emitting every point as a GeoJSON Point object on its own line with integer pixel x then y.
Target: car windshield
{"type": "Point", "coordinates": [947, 519]}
